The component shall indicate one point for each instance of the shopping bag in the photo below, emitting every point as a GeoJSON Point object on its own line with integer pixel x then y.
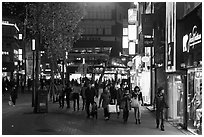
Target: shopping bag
{"type": "Point", "coordinates": [10, 103]}
{"type": "Point", "coordinates": [134, 102]}
{"type": "Point", "coordinates": [113, 108]}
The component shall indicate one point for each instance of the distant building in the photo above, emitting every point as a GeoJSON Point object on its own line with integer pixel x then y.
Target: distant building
{"type": "Point", "coordinates": [10, 46]}
{"type": "Point", "coordinates": [102, 36]}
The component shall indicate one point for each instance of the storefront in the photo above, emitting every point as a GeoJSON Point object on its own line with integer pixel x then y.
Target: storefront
{"type": "Point", "coordinates": [194, 102]}
{"type": "Point", "coordinates": [191, 40]}
{"type": "Point", "coordinates": [175, 87]}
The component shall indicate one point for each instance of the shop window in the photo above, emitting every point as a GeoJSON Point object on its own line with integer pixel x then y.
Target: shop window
{"type": "Point", "coordinates": [195, 100]}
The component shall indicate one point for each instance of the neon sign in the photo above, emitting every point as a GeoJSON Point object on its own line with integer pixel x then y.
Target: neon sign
{"type": "Point", "coordinates": [189, 41]}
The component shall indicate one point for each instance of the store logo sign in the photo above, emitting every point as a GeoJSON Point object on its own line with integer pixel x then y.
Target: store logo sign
{"type": "Point", "coordinates": [189, 41]}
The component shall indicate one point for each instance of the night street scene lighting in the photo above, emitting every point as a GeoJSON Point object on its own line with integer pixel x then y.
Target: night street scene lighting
{"type": "Point", "coordinates": [101, 68]}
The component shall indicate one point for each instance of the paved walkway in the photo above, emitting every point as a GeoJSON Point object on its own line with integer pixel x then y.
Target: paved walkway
{"type": "Point", "coordinates": [20, 120]}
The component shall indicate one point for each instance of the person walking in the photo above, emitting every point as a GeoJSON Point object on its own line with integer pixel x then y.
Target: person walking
{"type": "Point", "coordinates": [137, 101]}
{"type": "Point", "coordinates": [126, 104]}
{"type": "Point", "coordinates": [113, 93]}
{"type": "Point", "coordinates": [89, 94]}
{"type": "Point", "coordinates": [106, 98]}
{"type": "Point", "coordinates": [160, 104]}
{"type": "Point", "coordinates": [14, 92]}
{"type": "Point", "coordinates": [67, 91]}
{"type": "Point", "coordinates": [76, 92]}
{"type": "Point", "coordinates": [119, 97]}
{"type": "Point", "coordinates": [100, 91]}
{"type": "Point", "coordinates": [61, 95]}
{"type": "Point", "coordinates": [83, 89]}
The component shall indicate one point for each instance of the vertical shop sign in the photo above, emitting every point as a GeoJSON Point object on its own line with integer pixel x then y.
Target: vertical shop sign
{"type": "Point", "coordinates": [170, 54]}
{"type": "Point", "coordinates": [132, 16]}
{"type": "Point", "coordinates": [170, 48]}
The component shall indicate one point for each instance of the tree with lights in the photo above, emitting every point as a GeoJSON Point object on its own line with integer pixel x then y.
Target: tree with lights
{"type": "Point", "coordinates": [54, 25]}
{"type": "Point", "coordinates": [58, 25]}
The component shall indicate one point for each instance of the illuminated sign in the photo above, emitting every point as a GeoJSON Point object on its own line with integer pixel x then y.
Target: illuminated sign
{"type": "Point", "coordinates": [170, 38]}
{"type": "Point", "coordinates": [5, 53]}
{"type": "Point", "coordinates": [131, 48]}
{"type": "Point", "coordinates": [125, 42]}
{"type": "Point", "coordinates": [132, 32]}
{"type": "Point", "coordinates": [148, 42]}
{"type": "Point", "coordinates": [189, 41]}
{"type": "Point", "coordinates": [132, 16]}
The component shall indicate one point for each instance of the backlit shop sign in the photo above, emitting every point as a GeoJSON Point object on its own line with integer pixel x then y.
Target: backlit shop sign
{"type": "Point", "coordinates": [189, 41]}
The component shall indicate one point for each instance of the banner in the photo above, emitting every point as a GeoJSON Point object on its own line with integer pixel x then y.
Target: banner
{"type": "Point", "coordinates": [29, 63]}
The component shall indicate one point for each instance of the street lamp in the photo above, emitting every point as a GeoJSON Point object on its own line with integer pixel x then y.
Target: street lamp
{"type": "Point", "coordinates": [33, 84]}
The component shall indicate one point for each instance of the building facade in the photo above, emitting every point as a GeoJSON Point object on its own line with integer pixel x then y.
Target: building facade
{"type": "Point", "coordinates": [102, 36]}
{"type": "Point", "coordinates": [183, 64]}
{"type": "Point", "coordinates": [10, 49]}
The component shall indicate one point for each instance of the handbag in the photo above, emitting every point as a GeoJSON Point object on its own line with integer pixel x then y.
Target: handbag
{"type": "Point", "coordinates": [134, 102]}
{"type": "Point", "coordinates": [113, 108]}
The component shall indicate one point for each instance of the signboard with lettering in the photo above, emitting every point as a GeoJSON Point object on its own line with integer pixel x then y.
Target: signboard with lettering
{"type": "Point", "coordinates": [191, 40]}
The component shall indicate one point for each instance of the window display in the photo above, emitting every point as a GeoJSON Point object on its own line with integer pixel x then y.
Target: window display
{"type": "Point", "coordinates": [195, 100]}
{"type": "Point", "coordinates": [175, 99]}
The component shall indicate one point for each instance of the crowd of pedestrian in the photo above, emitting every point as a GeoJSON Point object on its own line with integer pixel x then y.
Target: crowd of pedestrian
{"type": "Point", "coordinates": [95, 95]}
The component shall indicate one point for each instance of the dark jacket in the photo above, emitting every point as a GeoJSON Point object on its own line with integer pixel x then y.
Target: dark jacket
{"type": "Point", "coordinates": [14, 92]}
{"type": "Point", "coordinates": [125, 104]}
{"type": "Point", "coordinates": [160, 102]}
{"type": "Point", "coordinates": [90, 94]}
{"type": "Point", "coordinates": [67, 91]}
{"type": "Point", "coordinates": [119, 96]}
{"type": "Point", "coordinates": [105, 96]}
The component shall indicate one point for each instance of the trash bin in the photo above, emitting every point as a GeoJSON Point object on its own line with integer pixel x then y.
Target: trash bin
{"type": "Point", "coordinates": [42, 101]}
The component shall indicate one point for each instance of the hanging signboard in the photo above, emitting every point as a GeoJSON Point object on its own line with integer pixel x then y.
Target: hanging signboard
{"type": "Point", "coordinates": [170, 54]}
{"type": "Point", "coordinates": [132, 16]}
{"type": "Point", "coordinates": [170, 38]}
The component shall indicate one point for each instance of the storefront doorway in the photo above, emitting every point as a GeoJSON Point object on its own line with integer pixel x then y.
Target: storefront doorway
{"type": "Point", "coordinates": [176, 99]}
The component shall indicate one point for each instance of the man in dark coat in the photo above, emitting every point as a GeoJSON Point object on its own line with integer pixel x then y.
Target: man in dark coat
{"type": "Point", "coordinates": [67, 93]}
{"type": "Point", "coordinates": [161, 104]}
{"type": "Point", "coordinates": [90, 94]}
{"type": "Point", "coordinates": [14, 91]}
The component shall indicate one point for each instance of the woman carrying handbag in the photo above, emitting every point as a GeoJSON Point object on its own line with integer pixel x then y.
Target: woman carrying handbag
{"type": "Point", "coordinates": [136, 102]}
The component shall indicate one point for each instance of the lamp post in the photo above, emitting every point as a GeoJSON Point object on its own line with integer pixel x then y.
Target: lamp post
{"type": "Point", "coordinates": [33, 84]}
